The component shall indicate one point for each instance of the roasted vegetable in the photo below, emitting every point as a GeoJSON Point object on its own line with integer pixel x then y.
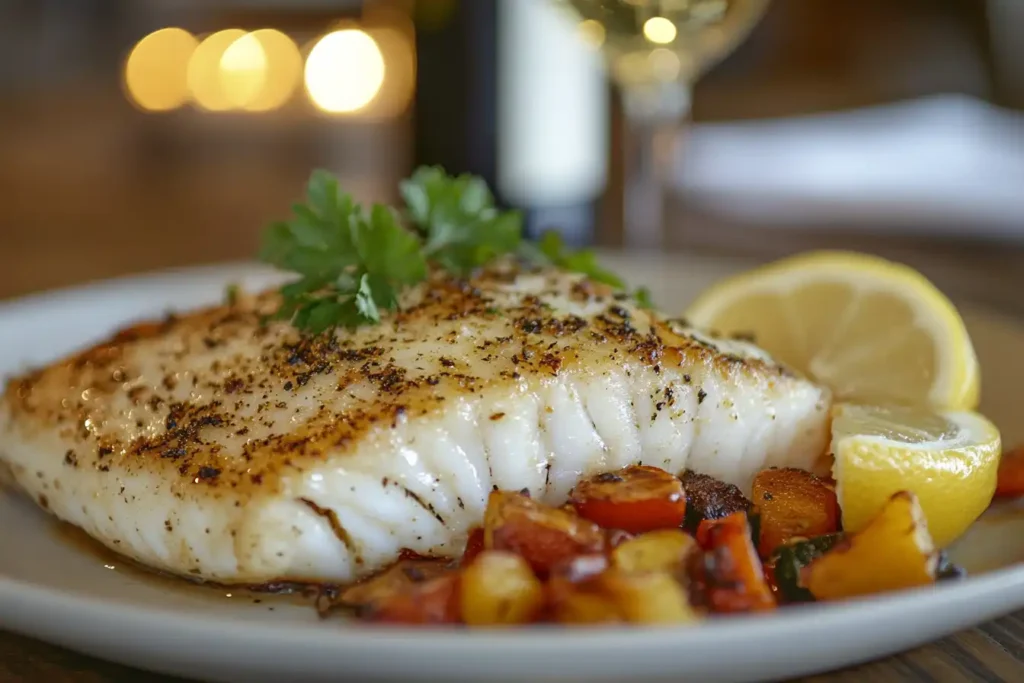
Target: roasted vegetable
{"type": "Point", "coordinates": [792, 503]}
{"type": "Point", "coordinates": [894, 551]}
{"type": "Point", "coordinates": [401, 577]}
{"type": "Point", "coordinates": [657, 551]}
{"type": "Point", "coordinates": [580, 603]}
{"type": "Point", "coordinates": [731, 572]}
{"type": "Point", "coordinates": [474, 545]}
{"type": "Point", "coordinates": [648, 598]}
{"type": "Point", "coordinates": [1010, 480]}
{"type": "Point", "coordinates": [635, 499]}
{"type": "Point", "coordinates": [708, 498]}
{"type": "Point", "coordinates": [499, 588]}
{"type": "Point", "coordinates": [789, 559]}
{"type": "Point", "coordinates": [435, 601]}
{"type": "Point", "coordinates": [545, 536]}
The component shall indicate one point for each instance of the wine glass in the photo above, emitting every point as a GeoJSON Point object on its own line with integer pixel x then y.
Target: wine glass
{"type": "Point", "coordinates": [655, 50]}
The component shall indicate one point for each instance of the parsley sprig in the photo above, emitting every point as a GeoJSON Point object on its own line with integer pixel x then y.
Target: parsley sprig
{"type": "Point", "coordinates": [352, 262]}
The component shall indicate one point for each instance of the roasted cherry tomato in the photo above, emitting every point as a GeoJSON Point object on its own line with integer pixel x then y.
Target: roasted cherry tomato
{"type": "Point", "coordinates": [635, 499]}
{"type": "Point", "coordinates": [545, 536]}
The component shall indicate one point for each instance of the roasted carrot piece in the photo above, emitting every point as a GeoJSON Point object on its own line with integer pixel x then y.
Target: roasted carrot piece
{"type": "Point", "coordinates": [731, 572]}
{"type": "Point", "coordinates": [546, 537]}
{"type": "Point", "coordinates": [792, 503]}
{"type": "Point", "coordinates": [435, 601]}
{"type": "Point", "coordinates": [1010, 481]}
{"type": "Point", "coordinates": [474, 546]}
{"type": "Point", "coordinates": [635, 499]}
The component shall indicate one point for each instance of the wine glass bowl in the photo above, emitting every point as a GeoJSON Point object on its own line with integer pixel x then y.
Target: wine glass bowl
{"type": "Point", "coordinates": [655, 50]}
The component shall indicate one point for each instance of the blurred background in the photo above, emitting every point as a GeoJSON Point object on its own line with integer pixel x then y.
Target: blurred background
{"type": "Point", "coordinates": [143, 134]}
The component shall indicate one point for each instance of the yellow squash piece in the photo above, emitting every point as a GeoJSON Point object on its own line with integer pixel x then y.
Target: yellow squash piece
{"type": "Point", "coordinates": [895, 551]}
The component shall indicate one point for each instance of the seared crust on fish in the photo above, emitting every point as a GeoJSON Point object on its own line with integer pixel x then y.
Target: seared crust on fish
{"type": "Point", "coordinates": [219, 446]}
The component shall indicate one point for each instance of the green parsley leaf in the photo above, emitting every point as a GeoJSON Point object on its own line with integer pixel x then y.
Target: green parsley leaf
{"type": "Point", "coordinates": [583, 261]}
{"type": "Point", "coordinates": [456, 216]}
{"type": "Point", "coordinates": [642, 295]}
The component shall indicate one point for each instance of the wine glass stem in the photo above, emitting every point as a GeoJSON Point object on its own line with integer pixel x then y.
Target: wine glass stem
{"type": "Point", "coordinates": [655, 116]}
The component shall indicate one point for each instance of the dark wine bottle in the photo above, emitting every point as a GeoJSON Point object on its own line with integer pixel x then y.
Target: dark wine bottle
{"type": "Point", "coordinates": [510, 91]}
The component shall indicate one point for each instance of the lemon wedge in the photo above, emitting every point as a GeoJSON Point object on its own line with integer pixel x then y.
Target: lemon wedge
{"type": "Point", "coordinates": [872, 330]}
{"type": "Point", "coordinates": [949, 460]}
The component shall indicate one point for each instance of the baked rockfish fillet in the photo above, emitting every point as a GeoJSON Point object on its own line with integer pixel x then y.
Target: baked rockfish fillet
{"type": "Point", "coordinates": [217, 446]}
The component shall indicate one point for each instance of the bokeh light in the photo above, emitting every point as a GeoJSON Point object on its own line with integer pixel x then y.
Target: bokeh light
{"type": "Point", "coordinates": [344, 71]}
{"type": "Point", "coordinates": [243, 71]}
{"type": "Point", "coordinates": [659, 30]}
{"type": "Point", "coordinates": [282, 70]}
{"type": "Point", "coordinates": [206, 82]}
{"type": "Point", "coordinates": [155, 73]}
{"type": "Point", "coordinates": [592, 32]}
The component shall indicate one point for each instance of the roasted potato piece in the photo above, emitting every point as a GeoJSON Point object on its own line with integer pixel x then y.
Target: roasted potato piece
{"type": "Point", "coordinates": [474, 546]}
{"type": "Point", "coordinates": [894, 551]}
{"type": "Point", "coordinates": [580, 603]}
{"type": "Point", "coordinates": [1010, 480]}
{"type": "Point", "coordinates": [708, 498]}
{"type": "Point", "coordinates": [635, 499]}
{"type": "Point", "coordinates": [792, 503]}
{"type": "Point", "coordinates": [657, 551]}
{"type": "Point", "coordinates": [499, 588]}
{"type": "Point", "coordinates": [648, 598]}
{"type": "Point", "coordinates": [731, 572]}
{"type": "Point", "coordinates": [435, 601]}
{"type": "Point", "coordinates": [545, 536]}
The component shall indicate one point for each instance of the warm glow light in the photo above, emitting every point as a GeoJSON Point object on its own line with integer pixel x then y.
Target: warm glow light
{"type": "Point", "coordinates": [344, 71]}
{"type": "Point", "coordinates": [592, 32]}
{"type": "Point", "coordinates": [205, 78]}
{"type": "Point", "coordinates": [243, 71]}
{"type": "Point", "coordinates": [155, 72]}
{"type": "Point", "coordinates": [659, 30]}
{"type": "Point", "coordinates": [282, 70]}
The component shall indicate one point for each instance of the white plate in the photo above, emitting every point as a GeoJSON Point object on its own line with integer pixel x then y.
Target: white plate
{"type": "Point", "coordinates": [64, 592]}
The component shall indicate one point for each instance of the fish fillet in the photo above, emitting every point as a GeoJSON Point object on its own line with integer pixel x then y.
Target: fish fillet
{"type": "Point", "coordinates": [216, 446]}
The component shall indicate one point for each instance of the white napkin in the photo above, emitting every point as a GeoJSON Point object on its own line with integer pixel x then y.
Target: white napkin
{"type": "Point", "coordinates": [947, 163]}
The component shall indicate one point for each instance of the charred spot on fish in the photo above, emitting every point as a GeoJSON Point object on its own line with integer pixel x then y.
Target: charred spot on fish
{"type": "Point", "coordinates": [44, 502]}
{"type": "Point", "coordinates": [701, 395]}
{"type": "Point", "coordinates": [288, 386]}
{"type": "Point", "coordinates": [496, 416]}
{"type": "Point", "coordinates": [339, 531]}
{"type": "Point", "coordinates": [423, 504]}
{"type": "Point", "coordinates": [207, 473]}
{"type": "Point", "coordinates": [70, 459]}
{"type": "Point", "coordinates": [447, 362]}
{"type": "Point", "coordinates": [686, 379]}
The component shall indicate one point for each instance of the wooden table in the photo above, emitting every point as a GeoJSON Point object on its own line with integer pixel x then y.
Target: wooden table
{"type": "Point", "coordinates": [55, 233]}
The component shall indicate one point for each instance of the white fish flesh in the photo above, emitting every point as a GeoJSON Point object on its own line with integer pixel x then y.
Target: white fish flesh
{"type": "Point", "coordinates": [216, 446]}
